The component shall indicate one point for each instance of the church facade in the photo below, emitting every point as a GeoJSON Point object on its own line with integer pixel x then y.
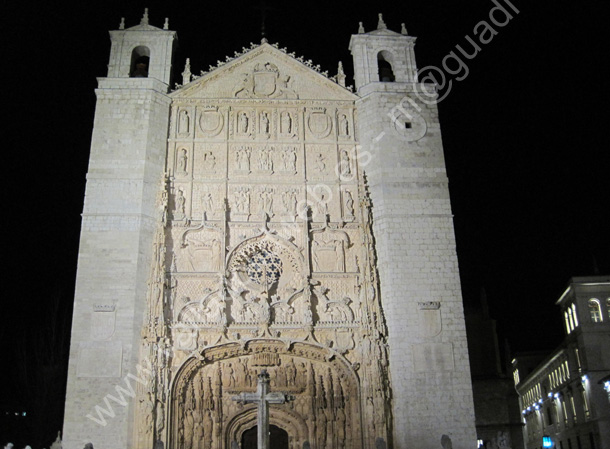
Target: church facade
{"type": "Point", "coordinates": [262, 216]}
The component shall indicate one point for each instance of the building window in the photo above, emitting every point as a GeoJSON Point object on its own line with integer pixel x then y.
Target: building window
{"type": "Point", "coordinates": [384, 65]}
{"type": "Point", "coordinates": [595, 310]}
{"type": "Point", "coordinates": [575, 316]}
{"type": "Point", "coordinates": [573, 412]}
{"type": "Point", "coordinates": [140, 60]}
{"type": "Point", "coordinates": [608, 306]}
{"type": "Point", "coordinates": [585, 404]}
{"type": "Point", "coordinates": [516, 376]}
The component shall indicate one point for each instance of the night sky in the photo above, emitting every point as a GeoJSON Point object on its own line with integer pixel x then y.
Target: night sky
{"type": "Point", "coordinates": [525, 139]}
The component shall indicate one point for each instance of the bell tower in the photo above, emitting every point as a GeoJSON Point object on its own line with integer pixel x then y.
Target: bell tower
{"type": "Point", "coordinates": [126, 166]}
{"type": "Point", "coordinates": [420, 289]}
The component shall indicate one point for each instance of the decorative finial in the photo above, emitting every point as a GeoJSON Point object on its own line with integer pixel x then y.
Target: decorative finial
{"type": "Point", "coordinates": [341, 75]}
{"type": "Point", "coordinates": [144, 20]}
{"type": "Point", "coordinates": [381, 24]}
{"type": "Point", "coordinates": [186, 75]}
{"type": "Point", "coordinates": [403, 29]}
{"type": "Point", "coordinates": [360, 28]}
{"type": "Point", "coordinates": [264, 40]}
{"type": "Point", "coordinates": [122, 24]}
{"type": "Point", "coordinates": [166, 24]}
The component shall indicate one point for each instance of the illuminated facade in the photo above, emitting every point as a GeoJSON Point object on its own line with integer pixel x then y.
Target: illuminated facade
{"type": "Point", "coordinates": [565, 398]}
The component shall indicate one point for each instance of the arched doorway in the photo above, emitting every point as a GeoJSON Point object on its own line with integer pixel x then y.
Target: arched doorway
{"type": "Point", "coordinates": [278, 438]}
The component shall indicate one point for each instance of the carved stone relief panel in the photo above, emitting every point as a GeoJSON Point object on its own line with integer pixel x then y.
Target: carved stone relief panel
{"type": "Point", "coordinates": [319, 123]}
{"type": "Point", "coordinates": [346, 167]}
{"type": "Point", "coordinates": [183, 161]}
{"type": "Point", "coordinates": [321, 162]}
{"type": "Point", "coordinates": [345, 128]}
{"type": "Point", "coordinates": [211, 121]}
{"type": "Point", "coordinates": [200, 250]}
{"type": "Point", "coordinates": [324, 201]}
{"type": "Point", "coordinates": [329, 249]}
{"type": "Point", "coordinates": [348, 204]}
{"type": "Point", "coordinates": [243, 123]}
{"type": "Point", "coordinates": [180, 203]}
{"type": "Point", "coordinates": [209, 161]}
{"type": "Point", "coordinates": [288, 124]}
{"type": "Point", "coordinates": [209, 198]}
{"type": "Point", "coordinates": [184, 122]}
{"type": "Point", "coordinates": [324, 410]}
{"type": "Point", "coordinates": [103, 320]}
{"type": "Point", "coordinates": [190, 287]}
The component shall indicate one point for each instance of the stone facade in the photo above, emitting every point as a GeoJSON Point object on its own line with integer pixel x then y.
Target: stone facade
{"type": "Point", "coordinates": [263, 216]}
{"type": "Point", "coordinates": [567, 395]}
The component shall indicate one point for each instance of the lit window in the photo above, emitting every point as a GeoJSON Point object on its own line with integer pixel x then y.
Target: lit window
{"type": "Point", "coordinates": [585, 404]}
{"type": "Point", "coordinates": [575, 316]}
{"type": "Point", "coordinates": [595, 310]}
{"type": "Point", "coordinates": [567, 319]}
{"type": "Point", "coordinates": [516, 376]}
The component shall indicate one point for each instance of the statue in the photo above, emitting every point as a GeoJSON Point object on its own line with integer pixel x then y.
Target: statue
{"type": "Point", "coordinates": [243, 123]}
{"type": "Point", "coordinates": [264, 123]}
{"type": "Point", "coordinates": [343, 126]}
{"type": "Point", "coordinates": [286, 123]}
{"type": "Point", "coordinates": [183, 161]}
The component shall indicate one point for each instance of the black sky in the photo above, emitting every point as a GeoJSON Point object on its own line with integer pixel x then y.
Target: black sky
{"type": "Point", "coordinates": [525, 137]}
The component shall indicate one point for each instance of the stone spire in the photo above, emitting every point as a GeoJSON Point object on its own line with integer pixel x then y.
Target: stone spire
{"type": "Point", "coordinates": [381, 24]}
{"type": "Point", "coordinates": [403, 29]}
{"type": "Point", "coordinates": [166, 24]}
{"type": "Point", "coordinates": [144, 20]}
{"type": "Point", "coordinates": [340, 75]}
{"type": "Point", "coordinates": [360, 28]}
{"type": "Point", "coordinates": [122, 24]}
{"type": "Point", "coordinates": [186, 75]}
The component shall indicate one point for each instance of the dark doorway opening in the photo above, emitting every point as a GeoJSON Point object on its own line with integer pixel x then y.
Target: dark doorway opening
{"type": "Point", "coordinates": [278, 438]}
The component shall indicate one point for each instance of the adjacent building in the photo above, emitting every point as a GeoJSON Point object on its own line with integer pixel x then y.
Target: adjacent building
{"type": "Point", "coordinates": [564, 400]}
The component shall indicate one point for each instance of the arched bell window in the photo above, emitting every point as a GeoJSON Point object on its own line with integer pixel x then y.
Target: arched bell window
{"type": "Point", "coordinates": [595, 311]}
{"type": "Point", "coordinates": [140, 60]}
{"type": "Point", "coordinates": [384, 65]}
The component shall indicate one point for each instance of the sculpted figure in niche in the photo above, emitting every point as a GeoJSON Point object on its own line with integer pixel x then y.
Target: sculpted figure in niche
{"type": "Point", "coordinates": [349, 203]}
{"type": "Point", "coordinates": [243, 159]}
{"type": "Point", "coordinates": [346, 170]}
{"type": "Point", "coordinates": [184, 122]}
{"type": "Point", "coordinates": [265, 160]}
{"type": "Point", "coordinates": [323, 206]}
{"type": "Point", "coordinates": [289, 157]}
{"type": "Point", "coordinates": [198, 432]}
{"type": "Point", "coordinates": [209, 161]}
{"type": "Point", "coordinates": [343, 125]}
{"type": "Point", "coordinates": [265, 123]}
{"type": "Point", "coordinates": [208, 205]}
{"type": "Point", "coordinates": [180, 201]}
{"type": "Point", "coordinates": [291, 373]}
{"type": "Point", "coordinates": [242, 201]}
{"type": "Point", "coordinates": [320, 162]}
{"type": "Point", "coordinates": [243, 123]}
{"type": "Point", "coordinates": [289, 198]}
{"type": "Point", "coordinates": [267, 202]}
{"type": "Point", "coordinates": [183, 161]}
{"type": "Point", "coordinates": [189, 427]}
{"type": "Point", "coordinates": [208, 424]}
{"type": "Point", "coordinates": [286, 123]}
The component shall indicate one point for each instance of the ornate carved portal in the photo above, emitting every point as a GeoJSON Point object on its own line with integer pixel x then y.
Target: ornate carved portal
{"type": "Point", "coordinates": [263, 259]}
{"type": "Point", "coordinates": [324, 412]}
